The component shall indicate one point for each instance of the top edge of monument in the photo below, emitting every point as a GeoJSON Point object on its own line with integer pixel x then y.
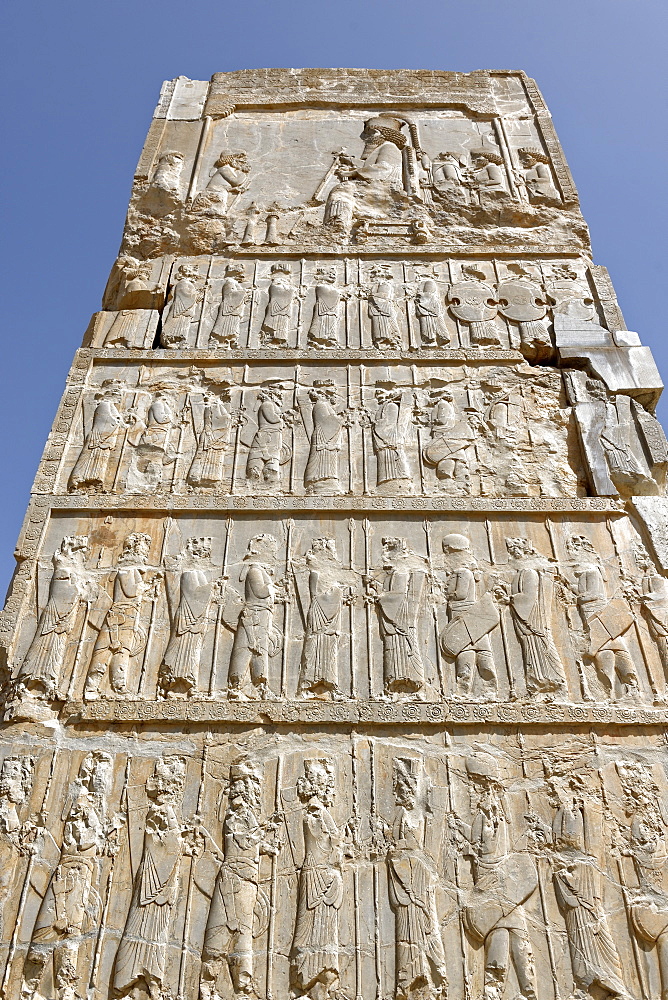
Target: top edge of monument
{"type": "Point", "coordinates": [481, 91]}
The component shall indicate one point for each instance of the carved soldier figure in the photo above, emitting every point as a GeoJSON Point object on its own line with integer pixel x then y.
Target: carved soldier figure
{"type": "Point", "coordinates": [473, 301]}
{"type": "Point", "coordinates": [645, 836]}
{"type": "Point", "coordinates": [141, 959]}
{"type": "Point", "coordinates": [450, 444]}
{"type": "Point", "coordinates": [324, 328]}
{"type": "Point", "coordinates": [471, 617]}
{"type": "Point", "coordinates": [503, 880]}
{"type": "Point", "coordinates": [398, 599]}
{"type": "Point", "coordinates": [577, 883]}
{"type": "Point", "coordinates": [382, 309]}
{"type": "Point", "coordinates": [451, 176]}
{"type": "Point", "coordinates": [123, 636]}
{"type": "Point", "coordinates": [41, 671]}
{"type": "Point", "coordinates": [208, 464]}
{"type": "Point", "coordinates": [179, 671]}
{"type": "Point", "coordinates": [155, 448]}
{"type": "Point", "coordinates": [92, 467]}
{"type": "Point", "coordinates": [184, 296]}
{"type": "Point", "coordinates": [167, 174]}
{"type": "Point", "coordinates": [412, 880]}
{"type": "Point", "coordinates": [389, 426]}
{"type": "Point", "coordinates": [531, 610]}
{"type": "Point", "coordinates": [314, 958]}
{"type": "Point", "coordinates": [654, 597]}
{"type": "Point", "coordinates": [429, 311]}
{"type": "Point", "coordinates": [16, 836]}
{"type": "Point", "coordinates": [239, 908]}
{"type": "Point", "coordinates": [489, 175]}
{"type": "Point", "coordinates": [524, 301]}
{"type": "Point", "coordinates": [228, 177]}
{"type": "Point", "coordinates": [256, 639]}
{"type": "Point", "coordinates": [319, 675]}
{"type": "Point", "coordinates": [278, 312]}
{"type": "Point", "coordinates": [70, 907]}
{"type": "Point", "coordinates": [225, 332]}
{"type": "Point", "coordinates": [536, 177]}
{"type": "Point", "coordinates": [606, 622]}
{"type": "Point", "coordinates": [323, 426]}
{"type": "Point", "coordinates": [267, 450]}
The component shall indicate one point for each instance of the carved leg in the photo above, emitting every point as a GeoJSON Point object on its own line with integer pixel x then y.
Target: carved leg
{"type": "Point", "coordinates": [626, 672]}
{"type": "Point", "coordinates": [522, 957]}
{"type": "Point", "coordinates": [96, 672]}
{"type": "Point", "coordinates": [496, 963]}
{"type": "Point", "coordinates": [662, 955]}
{"type": "Point", "coordinates": [605, 665]}
{"type": "Point", "coordinates": [464, 666]}
{"type": "Point", "coordinates": [118, 671]}
{"type": "Point", "coordinates": [32, 972]}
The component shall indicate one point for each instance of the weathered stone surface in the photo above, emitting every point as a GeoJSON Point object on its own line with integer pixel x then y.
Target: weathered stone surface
{"type": "Point", "coordinates": [336, 659]}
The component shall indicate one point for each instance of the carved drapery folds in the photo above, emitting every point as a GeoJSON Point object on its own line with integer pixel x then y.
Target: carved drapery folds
{"type": "Point", "coordinates": [335, 664]}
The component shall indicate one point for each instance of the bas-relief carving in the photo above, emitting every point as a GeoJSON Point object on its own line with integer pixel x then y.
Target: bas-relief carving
{"type": "Point", "coordinates": [469, 177]}
{"type": "Point", "coordinates": [366, 849]}
{"type": "Point", "coordinates": [481, 432]}
{"type": "Point", "coordinates": [425, 614]}
{"type": "Point", "coordinates": [384, 728]}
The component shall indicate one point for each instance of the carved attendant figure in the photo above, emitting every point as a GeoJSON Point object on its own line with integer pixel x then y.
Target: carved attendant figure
{"type": "Point", "coordinates": [238, 906]}
{"type": "Point", "coordinates": [141, 958]}
{"type": "Point", "coordinates": [451, 440]}
{"type": "Point", "coordinates": [382, 310]}
{"type": "Point", "coordinates": [179, 311]}
{"type": "Point", "coordinates": [277, 315]}
{"type": "Point", "coordinates": [225, 332]}
{"type": "Point", "coordinates": [167, 175]}
{"type": "Point", "coordinates": [503, 881]}
{"type": "Point", "coordinates": [267, 452]}
{"type": "Point", "coordinates": [208, 464]}
{"type": "Point", "coordinates": [41, 670]}
{"type": "Point", "coordinates": [489, 176]}
{"type": "Point", "coordinates": [594, 957]}
{"type": "Point", "coordinates": [645, 838]}
{"type": "Point", "coordinates": [179, 671]}
{"type": "Point", "coordinates": [319, 674]}
{"type": "Point", "coordinates": [531, 610]}
{"type": "Point", "coordinates": [606, 621]}
{"type": "Point", "coordinates": [123, 635]}
{"type": "Point", "coordinates": [16, 836]}
{"type": "Point", "coordinates": [324, 328]}
{"type": "Point", "coordinates": [536, 177]}
{"type": "Point", "coordinates": [314, 958]}
{"type": "Point", "coordinates": [429, 311]}
{"type": "Point", "coordinates": [255, 639]}
{"type": "Point", "coordinates": [399, 612]}
{"type": "Point", "coordinates": [654, 597]}
{"type": "Point", "coordinates": [389, 431]}
{"type": "Point", "coordinates": [70, 907]}
{"type": "Point", "coordinates": [471, 618]}
{"type": "Point", "coordinates": [91, 470]}
{"type": "Point", "coordinates": [229, 177]}
{"type": "Point", "coordinates": [155, 448]}
{"type": "Point", "coordinates": [323, 426]}
{"type": "Point", "coordinates": [412, 880]}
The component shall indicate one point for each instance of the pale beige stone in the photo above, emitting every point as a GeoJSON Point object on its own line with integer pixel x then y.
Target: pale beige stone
{"type": "Point", "coordinates": [336, 659]}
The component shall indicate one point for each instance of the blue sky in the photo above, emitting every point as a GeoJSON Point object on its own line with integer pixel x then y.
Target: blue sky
{"type": "Point", "coordinates": [80, 80]}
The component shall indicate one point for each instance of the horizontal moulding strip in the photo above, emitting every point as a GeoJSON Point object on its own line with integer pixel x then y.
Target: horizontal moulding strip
{"type": "Point", "coordinates": [167, 503]}
{"type": "Point", "coordinates": [292, 354]}
{"type": "Point", "coordinates": [361, 712]}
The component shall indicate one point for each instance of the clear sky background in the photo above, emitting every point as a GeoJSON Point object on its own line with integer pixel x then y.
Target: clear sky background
{"type": "Point", "coordinates": [80, 81]}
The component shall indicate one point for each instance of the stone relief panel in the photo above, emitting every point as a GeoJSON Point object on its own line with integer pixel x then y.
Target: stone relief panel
{"type": "Point", "coordinates": [328, 608]}
{"type": "Point", "coordinates": [316, 429]}
{"type": "Point", "coordinates": [214, 303]}
{"type": "Point", "coordinates": [404, 865]}
{"type": "Point", "coordinates": [387, 177]}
